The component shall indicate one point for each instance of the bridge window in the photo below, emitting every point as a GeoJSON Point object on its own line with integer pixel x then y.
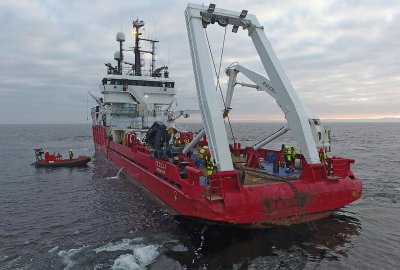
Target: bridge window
{"type": "Point", "coordinates": [115, 82]}
{"type": "Point", "coordinates": [132, 82]}
{"type": "Point", "coordinates": [149, 83]}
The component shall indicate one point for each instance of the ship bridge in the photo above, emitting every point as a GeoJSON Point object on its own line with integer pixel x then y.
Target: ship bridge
{"type": "Point", "coordinates": [138, 90]}
{"type": "Point", "coordinates": [134, 98]}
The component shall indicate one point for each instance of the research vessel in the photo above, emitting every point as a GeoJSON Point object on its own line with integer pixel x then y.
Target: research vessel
{"type": "Point", "coordinates": [203, 175]}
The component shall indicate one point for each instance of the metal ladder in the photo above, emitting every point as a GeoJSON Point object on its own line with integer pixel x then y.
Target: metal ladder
{"type": "Point", "coordinates": [216, 192]}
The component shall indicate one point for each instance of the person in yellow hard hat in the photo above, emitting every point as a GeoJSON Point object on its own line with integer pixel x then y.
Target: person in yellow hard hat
{"type": "Point", "coordinates": [170, 135]}
{"type": "Point", "coordinates": [288, 158]}
{"type": "Point", "coordinates": [177, 140]}
{"type": "Point", "coordinates": [322, 156]}
{"type": "Point", "coordinates": [71, 154]}
{"type": "Point", "coordinates": [186, 141]}
{"type": "Point", "coordinates": [209, 165]}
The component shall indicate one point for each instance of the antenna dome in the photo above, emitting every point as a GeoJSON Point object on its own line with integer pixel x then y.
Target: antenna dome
{"type": "Point", "coordinates": [117, 55]}
{"type": "Point", "coordinates": [120, 36]}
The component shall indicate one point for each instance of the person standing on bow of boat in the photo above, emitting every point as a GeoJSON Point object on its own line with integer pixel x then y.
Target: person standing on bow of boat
{"type": "Point", "coordinates": [71, 154]}
{"type": "Point", "coordinates": [39, 153]}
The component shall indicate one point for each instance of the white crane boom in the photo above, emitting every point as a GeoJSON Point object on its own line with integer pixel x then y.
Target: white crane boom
{"type": "Point", "coordinates": [295, 114]}
{"type": "Point", "coordinates": [206, 94]}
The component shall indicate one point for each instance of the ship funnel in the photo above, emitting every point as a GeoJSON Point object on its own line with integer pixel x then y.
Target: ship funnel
{"type": "Point", "coordinates": [120, 37]}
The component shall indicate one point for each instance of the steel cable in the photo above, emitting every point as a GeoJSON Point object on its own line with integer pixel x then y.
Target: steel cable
{"type": "Point", "coordinates": [218, 74]}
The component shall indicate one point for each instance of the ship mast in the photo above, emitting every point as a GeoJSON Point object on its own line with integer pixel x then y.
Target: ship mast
{"type": "Point", "coordinates": [136, 26]}
{"type": "Point", "coordinates": [138, 67]}
{"type": "Point", "coordinates": [119, 55]}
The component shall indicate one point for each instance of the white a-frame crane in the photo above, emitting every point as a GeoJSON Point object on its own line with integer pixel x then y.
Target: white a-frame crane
{"type": "Point", "coordinates": [306, 130]}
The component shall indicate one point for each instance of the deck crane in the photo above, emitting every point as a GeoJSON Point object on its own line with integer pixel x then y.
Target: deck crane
{"type": "Point", "coordinates": [321, 134]}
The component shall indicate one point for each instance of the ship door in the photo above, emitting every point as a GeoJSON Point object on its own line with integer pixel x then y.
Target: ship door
{"type": "Point", "coordinates": [125, 85]}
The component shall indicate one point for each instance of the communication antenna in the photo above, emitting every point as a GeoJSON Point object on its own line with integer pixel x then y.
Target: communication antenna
{"type": "Point", "coordinates": [87, 107]}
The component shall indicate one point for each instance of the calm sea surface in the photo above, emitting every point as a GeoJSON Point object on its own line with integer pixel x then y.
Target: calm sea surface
{"type": "Point", "coordinates": [79, 218]}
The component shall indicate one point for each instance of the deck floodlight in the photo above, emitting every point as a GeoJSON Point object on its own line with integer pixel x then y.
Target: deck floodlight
{"type": "Point", "coordinates": [243, 14]}
{"type": "Point", "coordinates": [211, 8]}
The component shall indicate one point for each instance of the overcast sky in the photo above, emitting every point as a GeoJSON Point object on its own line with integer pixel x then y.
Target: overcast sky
{"type": "Point", "coordinates": [342, 57]}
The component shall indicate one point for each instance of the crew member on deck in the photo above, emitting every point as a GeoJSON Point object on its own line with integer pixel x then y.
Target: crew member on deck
{"type": "Point", "coordinates": [71, 154]}
{"type": "Point", "coordinates": [177, 141]}
{"type": "Point", "coordinates": [209, 165]}
{"type": "Point", "coordinates": [292, 165]}
{"type": "Point", "coordinates": [322, 155]}
{"type": "Point", "coordinates": [324, 160]}
{"type": "Point", "coordinates": [288, 158]}
{"type": "Point", "coordinates": [186, 141]}
{"type": "Point", "coordinates": [283, 154]}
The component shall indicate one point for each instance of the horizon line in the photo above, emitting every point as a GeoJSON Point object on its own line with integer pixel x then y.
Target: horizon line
{"type": "Point", "coordinates": [381, 120]}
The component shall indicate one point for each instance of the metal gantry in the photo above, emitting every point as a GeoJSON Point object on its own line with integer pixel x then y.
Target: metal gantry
{"type": "Point", "coordinates": [278, 86]}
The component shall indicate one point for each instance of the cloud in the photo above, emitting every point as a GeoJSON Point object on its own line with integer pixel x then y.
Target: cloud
{"type": "Point", "coordinates": [341, 56]}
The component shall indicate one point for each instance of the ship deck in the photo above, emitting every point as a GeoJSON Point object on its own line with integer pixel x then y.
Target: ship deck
{"type": "Point", "coordinates": [266, 175]}
{"type": "Point", "coordinates": [263, 175]}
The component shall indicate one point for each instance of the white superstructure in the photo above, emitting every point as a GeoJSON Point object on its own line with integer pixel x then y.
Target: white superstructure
{"type": "Point", "coordinates": [133, 100]}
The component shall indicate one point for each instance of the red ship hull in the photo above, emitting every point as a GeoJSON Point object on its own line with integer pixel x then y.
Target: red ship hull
{"type": "Point", "coordinates": [313, 196]}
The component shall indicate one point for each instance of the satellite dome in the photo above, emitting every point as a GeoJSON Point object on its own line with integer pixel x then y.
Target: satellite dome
{"type": "Point", "coordinates": [117, 55]}
{"type": "Point", "coordinates": [120, 36]}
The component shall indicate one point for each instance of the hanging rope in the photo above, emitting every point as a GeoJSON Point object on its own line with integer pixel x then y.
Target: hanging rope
{"type": "Point", "coordinates": [218, 74]}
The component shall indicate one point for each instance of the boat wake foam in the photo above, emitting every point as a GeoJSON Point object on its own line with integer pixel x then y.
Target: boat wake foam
{"type": "Point", "coordinates": [53, 249]}
{"type": "Point", "coordinates": [117, 176]}
{"type": "Point", "coordinates": [123, 254]}
{"type": "Point", "coordinates": [140, 256]}
{"type": "Point", "coordinates": [69, 256]}
{"type": "Point", "coordinates": [124, 244]}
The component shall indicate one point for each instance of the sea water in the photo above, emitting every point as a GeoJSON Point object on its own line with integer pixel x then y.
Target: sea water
{"type": "Point", "coordinates": [84, 218]}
